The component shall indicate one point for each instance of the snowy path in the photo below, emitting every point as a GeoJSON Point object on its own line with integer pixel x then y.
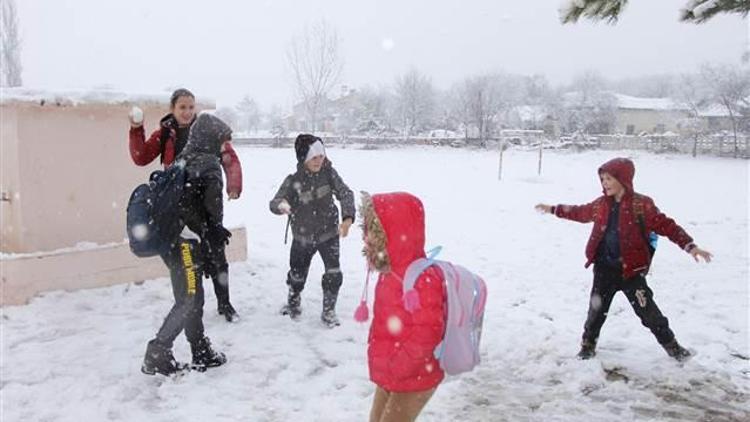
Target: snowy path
{"type": "Point", "coordinates": [76, 356]}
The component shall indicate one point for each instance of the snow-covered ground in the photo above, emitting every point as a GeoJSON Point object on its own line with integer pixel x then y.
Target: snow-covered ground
{"type": "Point", "coordinates": [76, 356]}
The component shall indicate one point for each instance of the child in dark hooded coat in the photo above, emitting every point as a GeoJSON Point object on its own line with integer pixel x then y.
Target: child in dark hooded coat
{"type": "Point", "coordinates": [307, 197]}
{"type": "Point", "coordinates": [199, 250]}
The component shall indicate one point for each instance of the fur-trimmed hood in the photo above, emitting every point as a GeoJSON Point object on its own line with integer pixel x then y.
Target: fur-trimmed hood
{"type": "Point", "coordinates": [394, 230]}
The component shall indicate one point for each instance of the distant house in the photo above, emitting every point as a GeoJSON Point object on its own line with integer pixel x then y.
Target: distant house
{"type": "Point", "coordinates": [636, 115]}
{"type": "Point", "coordinates": [716, 118]}
{"type": "Point", "coordinates": [331, 115]}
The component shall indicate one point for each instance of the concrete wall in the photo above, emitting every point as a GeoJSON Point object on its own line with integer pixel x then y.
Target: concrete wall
{"type": "Point", "coordinates": [23, 277]}
{"type": "Point", "coordinates": [66, 174]}
{"type": "Point", "coordinates": [65, 178]}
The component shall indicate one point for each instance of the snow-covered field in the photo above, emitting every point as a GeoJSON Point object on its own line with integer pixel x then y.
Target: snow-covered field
{"type": "Point", "coordinates": [76, 356]}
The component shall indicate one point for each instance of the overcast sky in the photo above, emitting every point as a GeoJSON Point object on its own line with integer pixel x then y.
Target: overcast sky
{"type": "Point", "coordinates": [226, 49]}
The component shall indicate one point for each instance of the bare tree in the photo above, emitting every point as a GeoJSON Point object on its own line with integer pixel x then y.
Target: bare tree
{"type": "Point", "coordinates": [692, 95]}
{"type": "Point", "coordinates": [590, 108]}
{"type": "Point", "coordinates": [730, 87]}
{"type": "Point", "coordinates": [415, 101]}
{"type": "Point", "coordinates": [228, 115]}
{"type": "Point", "coordinates": [249, 114]}
{"type": "Point", "coordinates": [460, 107]}
{"type": "Point", "coordinates": [314, 59]}
{"type": "Point", "coordinates": [10, 45]}
{"type": "Point", "coordinates": [694, 11]}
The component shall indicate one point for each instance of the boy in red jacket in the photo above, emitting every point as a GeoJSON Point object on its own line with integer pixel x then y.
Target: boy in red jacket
{"type": "Point", "coordinates": [620, 251]}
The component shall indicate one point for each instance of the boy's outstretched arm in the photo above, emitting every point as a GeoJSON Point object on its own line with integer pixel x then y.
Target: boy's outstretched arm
{"type": "Point", "coordinates": [580, 213]}
{"type": "Point", "coordinates": [279, 204]}
{"type": "Point", "coordinates": [663, 225]}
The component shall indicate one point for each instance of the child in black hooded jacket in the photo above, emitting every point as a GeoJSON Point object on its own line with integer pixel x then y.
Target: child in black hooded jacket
{"type": "Point", "coordinates": [307, 197]}
{"type": "Point", "coordinates": [198, 250]}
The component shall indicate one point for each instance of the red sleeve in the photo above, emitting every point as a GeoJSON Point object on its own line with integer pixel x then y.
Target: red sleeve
{"type": "Point", "coordinates": [660, 223]}
{"type": "Point", "coordinates": [144, 151]}
{"type": "Point", "coordinates": [232, 169]}
{"type": "Point", "coordinates": [579, 213]}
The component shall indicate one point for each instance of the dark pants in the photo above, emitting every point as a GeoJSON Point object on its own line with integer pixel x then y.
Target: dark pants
{"type": "Point", "coordinates": [203, 212]}
{"type": "Point", "coordinates": [607, 282]}
{"type": "Point", "coordinates": [300, 257]}
{"type": "Point", "coordinates": [184, 263]}
{"type": "Point", "coordinates": [217, 268]}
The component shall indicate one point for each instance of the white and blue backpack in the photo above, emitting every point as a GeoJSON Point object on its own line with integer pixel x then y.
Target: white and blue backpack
{"type": "Point", "coordinates": [466, 296]}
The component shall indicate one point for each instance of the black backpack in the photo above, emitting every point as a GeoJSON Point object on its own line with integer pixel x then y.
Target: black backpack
{"type": "Point", "coordinates": [153, 215]}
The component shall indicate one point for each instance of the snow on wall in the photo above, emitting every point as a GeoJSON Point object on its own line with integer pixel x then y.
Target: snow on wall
{"type": "Point", "coordinates": [90, 96]}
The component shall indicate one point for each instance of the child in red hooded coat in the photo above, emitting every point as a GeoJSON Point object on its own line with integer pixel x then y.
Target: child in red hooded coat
{"type": "Point", "coordinates": [401, 344]}
{"type": "Point", "coordinates": [619, 249]}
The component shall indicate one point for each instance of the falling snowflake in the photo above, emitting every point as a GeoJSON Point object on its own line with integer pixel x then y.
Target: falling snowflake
{"type": "Point", "coordinates": [596, 301]}
{"type": "Point", "coordinates": [140, 231]}
{"type": "Point", "coordinates": [394, 325]}
{"type": "Point", "coordinates": [387, 44]}
{"type": "Point", "coordinates": [223, 278]}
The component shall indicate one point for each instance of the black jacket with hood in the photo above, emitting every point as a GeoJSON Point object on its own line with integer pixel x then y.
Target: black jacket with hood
{"type": "Point", "coordinates": [315, 217]}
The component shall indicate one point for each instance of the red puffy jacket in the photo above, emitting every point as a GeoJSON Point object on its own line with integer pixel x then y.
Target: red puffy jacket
{"type": "Point", "coordinates": [143, 152]}
{"type": "Point", "coordinates": [401, 343]}
{"type": "Point", "coordinates": [636, 257]}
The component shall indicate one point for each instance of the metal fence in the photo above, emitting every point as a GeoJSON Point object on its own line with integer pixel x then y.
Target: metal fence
{"type": "Point", "coordinates": [717, 145]}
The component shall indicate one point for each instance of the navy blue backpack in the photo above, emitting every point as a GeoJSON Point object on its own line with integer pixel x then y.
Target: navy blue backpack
{"type": "Point", "coordinates": [153, 214]}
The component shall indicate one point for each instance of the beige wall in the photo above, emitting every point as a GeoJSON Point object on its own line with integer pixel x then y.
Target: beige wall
{"type": "Point", "coordinates": [66, 176]}
{"type": "Point", "coordinates": [647, 120]}
{"type": "Point", "coordinates": [69, 174]}
{"type": "Point", "coordinates": [25, 276]}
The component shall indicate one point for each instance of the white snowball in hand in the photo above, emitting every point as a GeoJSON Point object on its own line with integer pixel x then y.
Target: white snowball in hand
{"type": "Point", "coordinates": [136, 114]}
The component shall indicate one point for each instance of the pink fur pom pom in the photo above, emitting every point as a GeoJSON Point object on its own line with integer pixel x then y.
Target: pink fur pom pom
{"type": "Point", "coordinates": [362, 314]}
{"type": "Point", "coordinates": [411, 300]}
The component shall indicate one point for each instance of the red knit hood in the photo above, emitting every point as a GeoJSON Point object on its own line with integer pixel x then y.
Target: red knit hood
{"type": "Point", "coordinates": [402, 217]}
{"type": "Point", "coordinates": [621, 169]}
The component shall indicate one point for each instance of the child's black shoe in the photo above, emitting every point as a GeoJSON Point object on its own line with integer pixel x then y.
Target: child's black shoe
{"type": "Point", "coordinates": [588, 350]}
{"type": "Point", "coordinates": [159, 360]}
{"type": "Point", "coordinates": [228, 311]}
{"type": "Point", "coordinates": [676, 351]}
{"type": "Point", "coordinates": [205, 356]}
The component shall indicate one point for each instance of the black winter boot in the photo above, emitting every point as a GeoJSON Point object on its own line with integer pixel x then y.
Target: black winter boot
{"type": "Point", "coordinates": [588, 350]}
{"type": "Point", "coordinates": [293, 305]}
{"type": "Point", "coordinates": [328, 316]}
{"type": "Point", "coordinates": [205, 356]}
{"type": "Point", "coordinates": [228, 311]}
{"type": "Point", "coordinates": [159, 360]}
{"type": "Point", "coordinates": [676, 351]}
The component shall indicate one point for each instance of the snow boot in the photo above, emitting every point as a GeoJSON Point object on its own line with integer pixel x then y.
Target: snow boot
{"type": "Point", "coordinates": [293, 305]}
{"type": "Point", "coordinates": [204, 356]}
{"type": "Point", "coordinates": [228, 311]}
{"type": "Point", "coordinates": [328, 316]}
{"type": "Point", "coordinates": [676, 351]}
{"type": "Point", "coordinates": [159, 360]}
{"type": "Point", "coordinates": [588, 350]}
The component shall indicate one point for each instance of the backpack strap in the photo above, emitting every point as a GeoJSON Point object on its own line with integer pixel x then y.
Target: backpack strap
{"type": "Point", "coordinates": [413, 271]}
{"type": "Point", "coordinates": [639, 212]}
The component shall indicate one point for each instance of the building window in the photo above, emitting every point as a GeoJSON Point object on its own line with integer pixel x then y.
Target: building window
{"type": "Point", "coordinates": [660, 128]}
{"type": "Point", "coordinates": [630, 129]}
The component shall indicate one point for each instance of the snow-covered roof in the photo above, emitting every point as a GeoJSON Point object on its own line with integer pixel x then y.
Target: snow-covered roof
{"type": "Point", "coordinates": [714, 110]}
{"type": "Point", "coordinates": [89, 96]}
{"type": "Point", "coordinates": [645, 103]}
{"type": "Point", "coordinates": [530, 112]}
